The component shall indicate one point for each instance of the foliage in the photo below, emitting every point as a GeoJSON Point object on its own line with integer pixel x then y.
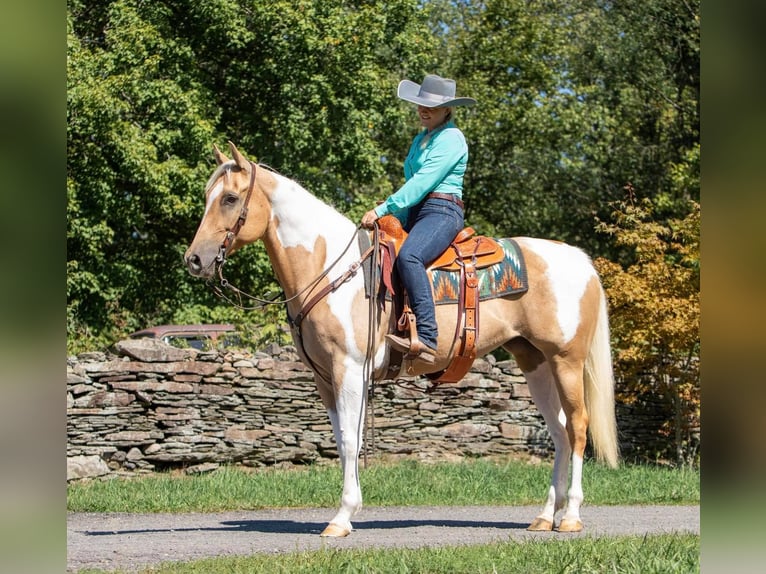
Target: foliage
{"type": "Point", "coordinates": [655, 314]}
{"type": "Point", "coordinates": [138, 127]}
{"type": "Point", "coordinates": [576, 99]}
{"type": "Point", "coordinates": [304, 86]}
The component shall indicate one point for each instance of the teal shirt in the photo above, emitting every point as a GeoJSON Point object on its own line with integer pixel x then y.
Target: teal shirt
{"type": "Point", "coordinates": [435, 163]}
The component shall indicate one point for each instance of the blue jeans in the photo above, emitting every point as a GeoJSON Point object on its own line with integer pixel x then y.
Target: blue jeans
{"type": "Point", "coordinates": [432, 225]}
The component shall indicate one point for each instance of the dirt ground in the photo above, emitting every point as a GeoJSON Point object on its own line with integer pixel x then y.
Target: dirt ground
{"type": "Point", "coordinates": [133, 541]}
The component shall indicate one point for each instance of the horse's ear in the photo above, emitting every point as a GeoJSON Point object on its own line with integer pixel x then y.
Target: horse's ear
{"type": "Point", "coordinates": [220, 157]}
{"type": "Point", "coordinates": [239, 159]}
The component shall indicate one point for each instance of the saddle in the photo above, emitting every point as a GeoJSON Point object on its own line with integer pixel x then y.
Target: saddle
{"type": "Point", "coordinates": [466, 254]}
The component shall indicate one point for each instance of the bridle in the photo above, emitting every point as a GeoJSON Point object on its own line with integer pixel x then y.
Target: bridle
{"type": "Point", "coordinates": [231, 234]}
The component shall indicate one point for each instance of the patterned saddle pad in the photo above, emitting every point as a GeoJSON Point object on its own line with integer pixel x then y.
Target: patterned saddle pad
{"type": "Point", "coordinates": [505, 278]}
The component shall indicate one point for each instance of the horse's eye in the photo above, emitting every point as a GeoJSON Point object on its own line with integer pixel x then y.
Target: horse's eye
{"type": "Point", "coordinates": [229, 199]}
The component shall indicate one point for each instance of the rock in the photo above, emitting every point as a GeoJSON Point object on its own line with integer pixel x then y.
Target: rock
{"type": "Point", "coordinates": [92, 356]}
{"type": "Point", "coordinates": [72, 379]}
{"type": "Point", "coordinates": [152, 351]}
{"type": "Point", "coordinates": [466, 430]}
{"type": "Point", "coordinates": [134, 454]}
{"type": "Point", "coordinates": [130, 437]}
{"type": "Point", "coordinates": [512, 431]}
{"type": "Point", "coordinates": [238, 434]}
{"type": "Point", "coordinates": [273, 349]}
{"type": "Point", "coordinates": [202, 468]}
{"type": "Point", "coordinates": [78, 467]}
{"type": "Point", "coordinates": [481, 365]}
{"type": "Point", "coordinates": [158, 407]}
{"type": "Point", "coordinates": [209, 356]}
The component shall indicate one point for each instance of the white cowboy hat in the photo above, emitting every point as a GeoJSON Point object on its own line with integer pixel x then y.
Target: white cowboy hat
{"type": "Point", "coordinates": [435, 92]}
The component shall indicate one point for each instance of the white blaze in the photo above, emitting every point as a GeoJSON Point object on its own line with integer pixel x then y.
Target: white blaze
{"type": "Point", "coordinates": [214, 193]}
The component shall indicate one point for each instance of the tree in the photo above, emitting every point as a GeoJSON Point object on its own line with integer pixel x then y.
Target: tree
{"type": "Point", "coordinates": [655, 315]}
{"type": "Point", "coordinates": [305, 86]}
{"type": "Point", "coordinates": [138, 132]}
{"type": "Point", "coordinates": [576, 100]}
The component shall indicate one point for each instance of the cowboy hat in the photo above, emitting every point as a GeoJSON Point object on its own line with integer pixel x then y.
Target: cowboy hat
{"type": "Point", "coordinates": [435, 92]}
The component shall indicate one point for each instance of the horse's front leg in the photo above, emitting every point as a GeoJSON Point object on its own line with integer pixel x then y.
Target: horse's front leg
{"type": "Point", "coordinates": [348, 426]}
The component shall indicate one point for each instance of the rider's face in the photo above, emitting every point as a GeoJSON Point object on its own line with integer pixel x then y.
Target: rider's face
{"type": "Point", "coordinates": [431, 118]}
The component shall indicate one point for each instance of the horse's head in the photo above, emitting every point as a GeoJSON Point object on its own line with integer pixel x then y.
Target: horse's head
{"type": "Point", "coordinates": [236, 213]}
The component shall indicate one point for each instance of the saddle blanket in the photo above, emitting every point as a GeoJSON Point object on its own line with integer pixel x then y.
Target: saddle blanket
{"type": "Point", "coordinates": [505, 278]}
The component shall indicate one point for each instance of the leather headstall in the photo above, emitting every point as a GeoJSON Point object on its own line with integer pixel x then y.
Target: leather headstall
{"type": "Point", "coordinates": [231, 234]}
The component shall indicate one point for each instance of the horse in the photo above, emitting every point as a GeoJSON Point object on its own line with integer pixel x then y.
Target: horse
{"type": "Point", "coordinates": [557, 331]}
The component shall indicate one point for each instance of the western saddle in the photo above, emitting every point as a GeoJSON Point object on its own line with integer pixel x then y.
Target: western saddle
{"type": "Point", "coordinates": [467, 253]}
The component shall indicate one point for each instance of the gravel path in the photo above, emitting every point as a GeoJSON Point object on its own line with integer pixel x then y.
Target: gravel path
{"type": "Point", "coordinates": [133, 541]}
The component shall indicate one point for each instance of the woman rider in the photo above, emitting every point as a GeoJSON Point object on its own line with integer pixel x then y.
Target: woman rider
{"type": "Point", "coordinates": [429, 204]}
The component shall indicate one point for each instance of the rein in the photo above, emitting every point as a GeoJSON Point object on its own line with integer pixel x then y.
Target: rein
{"type": "Point", "coordinates": [373, 250]}
{"type": "Point", "coordinates": [332, 286]}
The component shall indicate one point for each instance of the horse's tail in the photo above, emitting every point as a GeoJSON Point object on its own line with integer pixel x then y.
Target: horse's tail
{"type": "Point", "coordinates": [599, 392]}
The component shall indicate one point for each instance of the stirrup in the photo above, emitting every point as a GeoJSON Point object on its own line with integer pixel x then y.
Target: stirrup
{"type": "Point", "coordinates": [412, 349]}
{"type": "Point", "coordinates": [421, 352]}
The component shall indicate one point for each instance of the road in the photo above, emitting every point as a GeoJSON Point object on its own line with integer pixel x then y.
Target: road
{"type": "Point", "coordinates": [133, 541]}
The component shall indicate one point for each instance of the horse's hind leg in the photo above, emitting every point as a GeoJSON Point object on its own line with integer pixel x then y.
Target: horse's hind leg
{"type": "Point", "coordinates": [542, 387]}
{"type": "Point", "coordinates": [568, 374]}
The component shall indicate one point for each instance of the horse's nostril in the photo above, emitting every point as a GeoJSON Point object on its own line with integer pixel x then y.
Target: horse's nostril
{"type": "Point", "coordinates": [194, 263]}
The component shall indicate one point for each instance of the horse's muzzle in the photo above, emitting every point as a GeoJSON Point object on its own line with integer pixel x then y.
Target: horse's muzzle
{"type": "Point", "coordinates": [196, 267]}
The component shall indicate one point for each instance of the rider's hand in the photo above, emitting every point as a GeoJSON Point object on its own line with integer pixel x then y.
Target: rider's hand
{"type": "Point", "coordinates": [369, 218]}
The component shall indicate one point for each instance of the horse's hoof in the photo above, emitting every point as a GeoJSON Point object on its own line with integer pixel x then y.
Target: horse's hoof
{"type": "Point", "coordinates": [540, 525]}
{"type": "Point", "coordinates": [569, 525]}
{"type": "Point", "coordinates": [335, 531]}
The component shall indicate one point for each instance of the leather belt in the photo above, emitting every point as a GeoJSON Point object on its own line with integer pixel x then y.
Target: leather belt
{"type": "Point", "coordinates": [448, 196]}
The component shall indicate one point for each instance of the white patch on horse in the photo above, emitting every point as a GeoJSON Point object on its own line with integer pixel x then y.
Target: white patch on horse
{"type": "Point", "coordinates": [214, 193]}
{"type": "Point", "coordinates": [569, 271]}
{"type": "Point", "coordinates": [341, 305]}
{"type": "Point", "coordinates": [291, 203]}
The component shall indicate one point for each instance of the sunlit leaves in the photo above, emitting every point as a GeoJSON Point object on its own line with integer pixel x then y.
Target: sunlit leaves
{"type": "Point", "coordinates": [576, 100]}
{"type": "Point", "coordinates": [654, 301]}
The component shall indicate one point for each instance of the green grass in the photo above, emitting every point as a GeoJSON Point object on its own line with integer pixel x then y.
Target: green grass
{"type": "Point", "coordinates": [473, 482]}
{"type": "Point", "coordinates": [661, 554]}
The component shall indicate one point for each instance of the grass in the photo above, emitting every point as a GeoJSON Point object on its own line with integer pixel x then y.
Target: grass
{"type": "Point", "coordinates": [407, 483]}
{"type": "Point", "coordinates": [661, 554]}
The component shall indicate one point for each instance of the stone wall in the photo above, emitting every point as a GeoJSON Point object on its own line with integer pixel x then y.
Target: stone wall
{"type": "Point", "coordinates": [151, 407]}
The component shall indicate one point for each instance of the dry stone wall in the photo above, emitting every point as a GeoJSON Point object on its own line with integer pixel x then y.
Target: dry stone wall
{"type": "Point", "coordinates": [149, 407]}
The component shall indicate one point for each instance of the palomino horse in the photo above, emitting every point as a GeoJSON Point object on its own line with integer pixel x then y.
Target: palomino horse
{"type": "Point", "coordinates": [557, 331]}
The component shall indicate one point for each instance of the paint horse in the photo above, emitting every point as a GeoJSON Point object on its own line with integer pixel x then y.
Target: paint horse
{"type": "Point", "coordinates": [557, 332]}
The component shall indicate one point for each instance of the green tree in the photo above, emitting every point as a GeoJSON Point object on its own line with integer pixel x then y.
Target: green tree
{"type": "Point", "coordinates": [306, 87]}
{"type": "Point", "coordinates": [643, 58]}
{"type": "Point", "coordinates": [576, 100]}
{"type": "Point", "coordinates": [138, 132]}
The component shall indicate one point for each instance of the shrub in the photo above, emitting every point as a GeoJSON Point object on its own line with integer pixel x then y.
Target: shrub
{"type": "Point", "coordinates": [655, 315]}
